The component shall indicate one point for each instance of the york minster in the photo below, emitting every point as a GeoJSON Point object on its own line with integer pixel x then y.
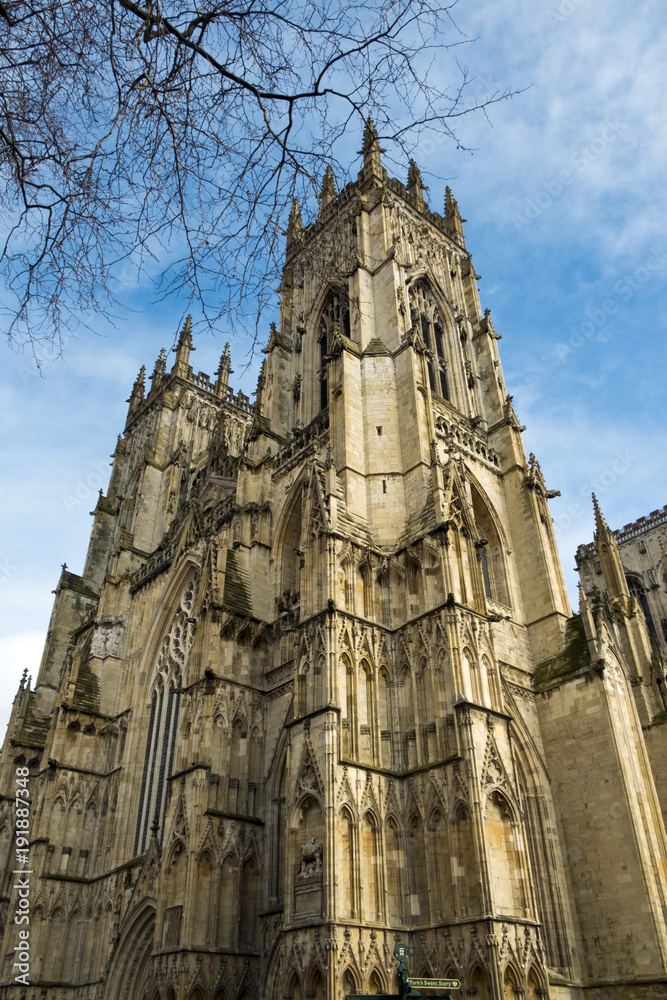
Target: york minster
{"type": "Point", "coordinates": [319, 689]}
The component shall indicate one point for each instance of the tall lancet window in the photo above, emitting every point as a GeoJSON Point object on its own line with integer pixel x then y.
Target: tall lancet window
{"type": "Point", "coordinates": [163, 720]}
{"type": "Point", "coordinates": [427, 319]}
{"type": "Point", "coordinates": [336, 311]}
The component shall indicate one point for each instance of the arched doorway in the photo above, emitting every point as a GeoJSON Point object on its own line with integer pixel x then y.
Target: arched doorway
{"type": "Point", "coordinates": [131, 959]}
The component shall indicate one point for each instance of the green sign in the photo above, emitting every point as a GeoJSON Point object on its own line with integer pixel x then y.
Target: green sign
{"type": "Point", "coordinates": [401, 952]}
{"type": "Point", "coordinates": [435, 984]}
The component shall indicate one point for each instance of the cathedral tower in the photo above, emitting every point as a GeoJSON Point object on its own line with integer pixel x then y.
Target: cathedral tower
{"type": "Point", "coordinates": [319, 687]}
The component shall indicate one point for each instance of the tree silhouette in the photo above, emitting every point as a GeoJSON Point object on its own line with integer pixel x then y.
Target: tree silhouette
{"type": "Point", "coordinates": [137, 133]}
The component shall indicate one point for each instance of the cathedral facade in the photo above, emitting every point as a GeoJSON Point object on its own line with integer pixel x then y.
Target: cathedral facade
{"type": "Point", "coordinates": [319, 689]}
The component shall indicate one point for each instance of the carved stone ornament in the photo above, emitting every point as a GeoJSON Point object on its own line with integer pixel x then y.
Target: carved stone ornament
{"type": "Point", "coordinates": [311, 860]}
{"type": "Point", "coordinates": [107, 639]}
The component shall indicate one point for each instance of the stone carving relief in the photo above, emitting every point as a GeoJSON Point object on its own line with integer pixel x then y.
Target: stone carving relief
{"type": "Point", "coordinates": [234, 435]}
{"type": "Point", "coordinates": [108, 639]}
{"type": "Point", "coordinates": [311, 860]}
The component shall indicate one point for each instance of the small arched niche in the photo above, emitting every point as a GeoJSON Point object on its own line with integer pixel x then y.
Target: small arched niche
{"type": "Point", "coordinates": [490, 552]}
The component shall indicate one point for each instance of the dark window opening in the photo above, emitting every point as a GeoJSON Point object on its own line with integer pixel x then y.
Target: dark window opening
{"type": "Point", "coordinates": [444, 383]}
{"type": "Point", "coordinates": [336, 311]}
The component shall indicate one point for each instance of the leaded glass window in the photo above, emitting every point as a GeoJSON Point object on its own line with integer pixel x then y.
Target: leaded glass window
{"type": "Point", "coordinates": [160, 754]}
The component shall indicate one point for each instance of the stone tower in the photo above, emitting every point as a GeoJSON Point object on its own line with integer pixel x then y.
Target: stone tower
{"type": "Point", "coordinates": [319, 688]}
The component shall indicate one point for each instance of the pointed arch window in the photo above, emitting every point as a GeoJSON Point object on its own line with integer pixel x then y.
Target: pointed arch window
{"type": "Point", "coordinates": [336, 312]}
{"type": "Point", "coordinates": [427, 319]}
{"type": "Point", "coordinates": [160, 754]}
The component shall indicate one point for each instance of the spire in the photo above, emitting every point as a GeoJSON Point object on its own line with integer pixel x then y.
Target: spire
{"type": "Point", "coordinates": [372, 154]}
{"type": "Point", "coordinates": [182, 350]}
{"type": "Point", "coordinates": [415, 185]}
{"type": "Point", "coordinates": [609, 556]}
{"type": "Point", "coordinates": [160, 369]}
{"type": "Point", "coordinates": [138, 389]}
{"type": "Point", "coordinates": [328, 191]}
{"type": "Point", "coordinates": [453, 220]}
{"type": "Point", "coordinates": [223, 372]}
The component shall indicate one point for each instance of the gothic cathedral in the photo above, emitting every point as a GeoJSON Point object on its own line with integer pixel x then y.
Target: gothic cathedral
{"type": "Point", "coordinates": [319, 689]}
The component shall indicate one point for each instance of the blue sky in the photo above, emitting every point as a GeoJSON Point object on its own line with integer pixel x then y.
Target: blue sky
{"type": "Point", "coordinates": [565, 203]}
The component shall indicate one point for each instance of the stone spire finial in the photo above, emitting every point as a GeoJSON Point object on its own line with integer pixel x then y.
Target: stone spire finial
{"type": "Point", "coordinates": [415, 185]}
{"type": "Point", "coordinates": [160, 368]}
{"type": "Point", "coordinates": [223, 372]}
{"type": "Point", "coordinates": [182, 350]}
{"type": "Point", "coordinates": [453, 220]}
{"type": "Point", "coordinates": [609, 556]}
{"type": "Point", "coordinates": [294, 223]}
{"type": "Point", "coordinates": [372, 153]}
{"type": "Point", "coordinates": [138, 389]}
{"type": "Point", "coordinates": [185, 337]}
{"type": "Point", "coordinates": [370, 136]}
{"type": "Point", "coordinates": [328, 191]}
{"type": "Point", "coordinates": [600, 524]}
{"type": "Point", "coordinates": [261, 385]}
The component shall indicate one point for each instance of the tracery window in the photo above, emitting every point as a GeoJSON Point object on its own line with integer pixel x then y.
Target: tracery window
{"type": "Point", "coordinates": [427, 319]}
{"type": "Point", "coordinates": [163, 721]}
{"type": "Point", "coordinates": [336, 311]}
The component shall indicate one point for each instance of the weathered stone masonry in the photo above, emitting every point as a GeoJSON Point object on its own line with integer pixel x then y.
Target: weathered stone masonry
{"type": "Point", "coordinates": [319, 687]}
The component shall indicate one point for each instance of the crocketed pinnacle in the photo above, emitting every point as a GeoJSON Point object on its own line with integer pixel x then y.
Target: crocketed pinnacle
{"type": "Point", "coordinates": [416, 186]}
{"type": "Point", "coordinates": [295, 225]}
{"type": "Point", "coordinates": [370, 136]}
{"type": "Point", "coordinates": [609, 556]}
{"type": "Point", "coordinates": [185, 337]}
{"type": "Point", "coordinates": [139, 386]}
{"type": "Point", "coordinates": [328, 190]}
{"type": "Point", "coordinates": [138, 389]}
{"type": "Point", "coordinates": [601, 526]}
{"type": "Point", "coordinates": [225, 361]}
{"type": "Point", "coordinates": [223, 372]}
{"type": "Point", "coordinates": [160, 367]}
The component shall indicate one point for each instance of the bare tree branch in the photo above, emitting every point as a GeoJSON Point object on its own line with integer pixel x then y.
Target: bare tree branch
{"type": "Point", "coordinates": [179, 131]}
